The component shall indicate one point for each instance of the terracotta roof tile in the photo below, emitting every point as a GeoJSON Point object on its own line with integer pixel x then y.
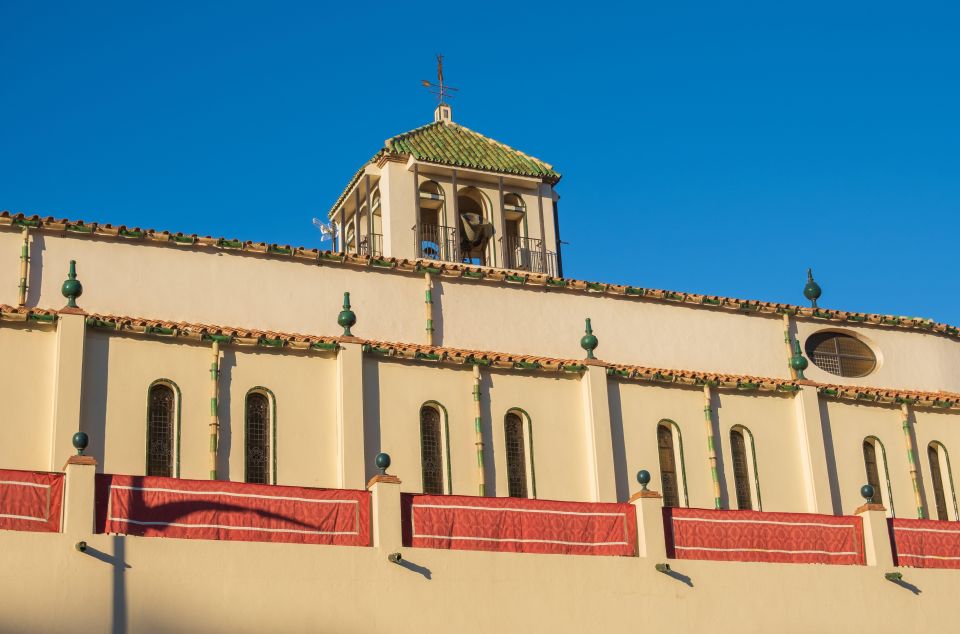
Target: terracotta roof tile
{"type": "Point", "coordinates": [501, 360]}
{"type": "Point", "coordinates": [473, 272]}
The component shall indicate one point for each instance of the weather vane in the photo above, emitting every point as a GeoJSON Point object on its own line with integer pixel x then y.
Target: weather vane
{"type": "Point", "coordinates": [440, 89]}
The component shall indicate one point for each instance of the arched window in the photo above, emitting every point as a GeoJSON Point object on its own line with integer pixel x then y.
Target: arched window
{"type": "Point", "coordinates": [741, 473]}
{"type": "Point", "coordinates": [257, 433]}
{"type": "Point", "coordinates": [474, 225]}
{"type": "Point", "coordinates": [875, 463]}
{"type": "Point", "coordinates": [519, 455]}
{"type": "Point", "coordinates": [671, 464]}
{"type": "Point", "coordinates": [436, 241]}
{"type": "Point", "coordinates": [431, 450]}
{"type": "Point", "coordinates": [840, 354]}
{"type": "Point", "coordinates": [161, 427]}
{"type": "Point", "coordinates": [941, 476]}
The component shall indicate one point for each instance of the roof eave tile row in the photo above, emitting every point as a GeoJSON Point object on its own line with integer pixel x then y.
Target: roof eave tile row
{"type": "Point", "coordinates": [468, 271]}
{"type": "Point", "coordinates": [455, 356]}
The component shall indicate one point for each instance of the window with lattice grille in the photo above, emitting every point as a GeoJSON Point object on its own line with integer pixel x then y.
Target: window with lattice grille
{"type": "Point", "coordinates": [741, 469]}
{"type": "Point", "coordinates": [257, 438]}
{"type": "Point", "coordinates": [516, 456]}
{"type": "Point", "coordinates": [160, 430]}
{"type": "Point", "coordinates": [873, 471]}
{"type": "Point", "coordinates": [936, 476]}
{"type": "Point", "coordinates": [668, 467]}
{"type": "Point", "coordinates": [431, 452]}
{"type": "Point", "coordinates": [840, 354]}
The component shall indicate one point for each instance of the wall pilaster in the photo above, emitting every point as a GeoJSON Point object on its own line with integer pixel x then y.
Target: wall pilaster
{"type": "Point", "coordinates": [599, 442]}
{"type": "Point", "coordinates": [351, 469]}
{"type": "Point", "coordinates": [67, 386]}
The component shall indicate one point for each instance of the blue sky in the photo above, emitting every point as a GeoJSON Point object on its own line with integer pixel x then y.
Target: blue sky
{"type": "Point", "coordinates": [707, 147]}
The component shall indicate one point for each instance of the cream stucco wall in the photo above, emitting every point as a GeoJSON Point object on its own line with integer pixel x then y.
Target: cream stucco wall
{"type": "Point", "coordinates": [26, 377]}
{"type": "Point", "coordinates": [850, 424]}
{"type": "Point", "coordinates": [135, 584]}
{"type": "Point", "coordinates": [187, 284]}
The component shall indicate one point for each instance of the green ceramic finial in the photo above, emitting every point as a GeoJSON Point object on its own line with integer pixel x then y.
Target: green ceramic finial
{"type": "Point", "coordinates": [866, 491]}
{"type": "Point", "coordinates": [72, 288]}
{"type": "Point", "coordinates": [80, 441]}
{"type": "Point", "coordinates": [589, 341]}
{"type": "Point", "coordinates": [643, 477]}
{"type": "Point", "coordinates": [383, 462]}
{"type": "Point", "coordinates": [798, 362]}
{"type": "Point", "coordinates": [347, 318]}
{"type": "Point", "coordinates": [812, 290]}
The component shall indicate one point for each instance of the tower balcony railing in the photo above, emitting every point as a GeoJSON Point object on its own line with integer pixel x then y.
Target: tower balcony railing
{"type": "Point", "coordinates": [440, 242]}
{"type": "Point", "coordinates": [372, 245]}
{"type": "Point", "coordinates": [528, 254]}
{"type": "Point", "coordinates": [437, 242]}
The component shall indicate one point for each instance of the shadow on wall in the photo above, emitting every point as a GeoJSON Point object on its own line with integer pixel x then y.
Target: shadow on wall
{"type": "Point", "coordinates": [486, 433]}
{"type": "Point", "coordinates": [371, 417]}
{"type": "Point", "coordinates": [719, 439]}
{"type": "Point", "coordinates": [35, 275]}
{"type": "Point", "coordinates": [828, 448]}
{"type": "Point", "coordinates": [93, 398]}
{"type": "Point", "coordinates": [420, 570]}
{"type": "Point", "coordinates": [228, 361]}
{"type": "Point", "coordinates": [917, 454]}
{"type": "Point", "coordinates": [118, 614]}
{"type": "Point", "coordinates": [621, 469]}
{"type": "Point", "coordinates": [437, 313]}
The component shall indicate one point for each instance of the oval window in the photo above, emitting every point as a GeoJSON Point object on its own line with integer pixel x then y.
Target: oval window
{"type": "Point", "coordinates": [840, 354]}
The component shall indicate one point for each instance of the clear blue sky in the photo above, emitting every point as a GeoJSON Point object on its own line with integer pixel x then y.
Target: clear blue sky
{"type": "Point", "coordinates": [713, 147]}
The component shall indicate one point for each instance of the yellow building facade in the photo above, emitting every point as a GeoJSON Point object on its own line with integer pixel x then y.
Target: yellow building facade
{"type": "Point", "coordinates": [461, 352]}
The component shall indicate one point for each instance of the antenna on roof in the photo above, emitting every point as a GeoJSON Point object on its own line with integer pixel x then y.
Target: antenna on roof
{"type": "Point", "coordinates": [327, 232]}
{"type": "Point", "coordinates": [442, 92]}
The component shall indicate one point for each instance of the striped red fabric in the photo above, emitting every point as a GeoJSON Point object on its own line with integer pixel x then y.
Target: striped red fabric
{"type": "Point", "coordinates": [519, 525]}
{"type": "Point", "coordinates": [926, 543]}
{"type": "Point", "coordinates": [798, 538]}
{"type": "Point", "coordinates": [211, 509]}
{"type": "Point", "coordinates": [30, 501]}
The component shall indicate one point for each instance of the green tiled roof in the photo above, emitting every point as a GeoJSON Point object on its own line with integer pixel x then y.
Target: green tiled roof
{"type": "Point", "coordinates": [457, 146]}
{"type": "Point", "coordinates": [454, 145]}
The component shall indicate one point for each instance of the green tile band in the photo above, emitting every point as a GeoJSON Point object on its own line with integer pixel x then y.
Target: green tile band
{"type": "Point", "coordinates": [911, 459]}
{"type": "Point", "coordinates": [711, 449]}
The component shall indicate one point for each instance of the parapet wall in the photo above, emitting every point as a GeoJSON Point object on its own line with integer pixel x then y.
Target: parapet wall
{"type": "Point", "coordinates": [123, 583]}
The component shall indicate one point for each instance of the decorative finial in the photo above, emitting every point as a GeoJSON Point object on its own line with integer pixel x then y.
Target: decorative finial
{"type": "Point", "coordinates": [72, 288]}
{"type": "Point", "coordinates": [347, 318]}
{"type": "Point", "coordinates": [798, 362]}
{"type": "Point", "coordinates": [812, 290]}
{"type": "Point", "coordinates": [643, 477]}
{"type": "Point", "coordinates": [80, 442]}
{"type": "Point", "coordinates": [442, 91]}
{"type": "Point", "coordinates": [867, 492]}
{"type": "Point", "coordinates": [383, 462]}
{"type": "Point", "coordinates": [589, 341]}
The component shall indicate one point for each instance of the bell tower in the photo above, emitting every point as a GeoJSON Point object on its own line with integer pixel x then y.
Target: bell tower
{"type": "Point", "coordinates": [444, 192]}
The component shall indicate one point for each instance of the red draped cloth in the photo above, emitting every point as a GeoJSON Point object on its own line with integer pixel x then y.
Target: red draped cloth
{"type": "Point", "coordinates": [926, 543]}
{"type": "Point", "coordinates": [30, 501]}
{"type": "Point", "coordinates": [799, 538]}
{"type": "Point", "coordinates": [211, 509]}
{"type": "Point", "coordinates": [519, 525]}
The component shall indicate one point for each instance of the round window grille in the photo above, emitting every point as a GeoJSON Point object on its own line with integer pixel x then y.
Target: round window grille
{"type": "Point", "coordinates": [840, 354]}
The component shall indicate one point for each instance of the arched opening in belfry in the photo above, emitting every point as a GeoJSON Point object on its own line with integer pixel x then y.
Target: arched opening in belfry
{"type": "Point", "coordinates": [475, 228]}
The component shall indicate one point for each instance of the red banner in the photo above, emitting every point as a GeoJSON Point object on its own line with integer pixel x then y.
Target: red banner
{"type": "Point", "coordinates": [30, 501]}
{"type": "Point", "coordinates": [212, 509]}
{"type": "Point", "coordinates": [797, 538]}
{"type": "Point", "coordinates": [926, 543]}
{"type": "Point", "coordinates": [519, 525]}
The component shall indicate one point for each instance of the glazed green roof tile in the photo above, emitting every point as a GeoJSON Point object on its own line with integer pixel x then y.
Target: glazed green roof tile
{"type": "Point", "coordinates": [454, 145]}
{"type": "Point", "coordinates": [457, 146]}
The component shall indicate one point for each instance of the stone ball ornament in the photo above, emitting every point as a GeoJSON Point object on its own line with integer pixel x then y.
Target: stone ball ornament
{"type": "Point", "coordinates": [80, 442]}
